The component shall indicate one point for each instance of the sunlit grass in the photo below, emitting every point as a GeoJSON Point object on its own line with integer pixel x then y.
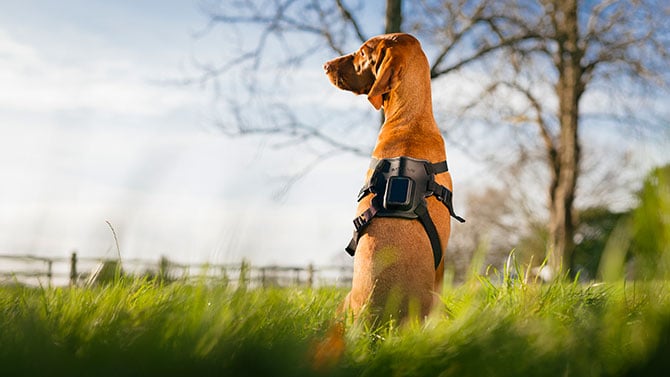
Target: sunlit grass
{"type": "Point", "coordinates": [138, 328]}
{"type": "Point", "coordinates": [135, 328]}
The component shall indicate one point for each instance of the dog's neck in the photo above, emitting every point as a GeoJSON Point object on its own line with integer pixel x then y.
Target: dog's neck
{"type": "Point", "coordinates": [410, 128]}
{"type": "Point", "coordinates": [406, 106]}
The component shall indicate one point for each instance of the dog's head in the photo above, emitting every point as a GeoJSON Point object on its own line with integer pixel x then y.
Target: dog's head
{"type": "Point", "coordinates": [375, 68]}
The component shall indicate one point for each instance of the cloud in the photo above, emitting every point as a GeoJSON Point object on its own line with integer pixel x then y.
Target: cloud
{"type": "Point", "coordinates": [39, 80]}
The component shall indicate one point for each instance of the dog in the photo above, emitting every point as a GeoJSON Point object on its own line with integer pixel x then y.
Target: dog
{"type": "Point", "coordinates": [403, 216]}
{"type": "Point", "coordinates": [397, 269]}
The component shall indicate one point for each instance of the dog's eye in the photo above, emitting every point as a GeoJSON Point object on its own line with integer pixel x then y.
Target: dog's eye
{"type": "Point", "coordinates": [362, 53]}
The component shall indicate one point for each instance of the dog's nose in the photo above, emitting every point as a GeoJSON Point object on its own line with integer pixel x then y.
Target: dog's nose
{"type": "Point", "coordinates": [327, 67]}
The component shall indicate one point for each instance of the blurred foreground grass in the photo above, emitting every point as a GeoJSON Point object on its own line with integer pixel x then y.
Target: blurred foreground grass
{"type": "Point", "coordinates": [136, 328]}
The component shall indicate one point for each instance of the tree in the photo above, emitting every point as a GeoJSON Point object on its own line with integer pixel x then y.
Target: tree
{"type": "Point", "coordinates": [582, 45]}
{"type": "Point", "coordinates": [539, 59]}
{"type": "Point", "coordinates": [593, 229]}
{"type": "Point", "coordinates": [650, 226]}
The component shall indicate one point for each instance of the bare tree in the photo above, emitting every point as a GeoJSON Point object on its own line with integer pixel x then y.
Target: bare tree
{"type": "Point", "coordinates": [578, 46]}
{"type": "Point", "coordinates": [538, 59]}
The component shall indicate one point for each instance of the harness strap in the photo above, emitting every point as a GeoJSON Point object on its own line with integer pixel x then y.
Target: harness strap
{"type": "Point", "coordinates": [361, 222]}
{"type": "Point", "coordinates": [365, 217]}
{"type": "Point", "coordinates": [438, 167]}
{"type": "Point", "coordinates": [429, 226]}
{"type": "Point", "coordinates": [424, 217]}
{"type": "Point", "coordinates": [445, 196]}
{"type": "Point", "coordinates": [435, 168]}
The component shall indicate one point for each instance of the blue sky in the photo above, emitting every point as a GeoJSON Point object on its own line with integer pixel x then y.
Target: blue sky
{"type": "Point", "coordinates": [91, 133]}
{"type": "Point", "coordinates": [92, 129]}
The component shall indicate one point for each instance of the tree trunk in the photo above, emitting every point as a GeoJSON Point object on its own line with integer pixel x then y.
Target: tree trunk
{"type": "Point", "coordinates": [393, 24]}
{"type": "Point", "coordinates": [565, 167]}
{"type": "Point", "coordinates": [393, 16]}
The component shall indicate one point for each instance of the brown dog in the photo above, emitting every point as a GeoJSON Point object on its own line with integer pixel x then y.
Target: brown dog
{"type": "Point", "coordinates": [396, 271]}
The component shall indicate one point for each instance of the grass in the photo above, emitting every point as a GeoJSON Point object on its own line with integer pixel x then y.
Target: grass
{"type": "Point", "coordinates": [136, 328]}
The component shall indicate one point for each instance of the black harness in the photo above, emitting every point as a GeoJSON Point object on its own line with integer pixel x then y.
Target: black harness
{"type": "Point", "coordinates": [400, 186]}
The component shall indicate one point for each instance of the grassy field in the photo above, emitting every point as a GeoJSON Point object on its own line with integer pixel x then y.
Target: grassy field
{"type": "Point", "coordinates": [512, 329]}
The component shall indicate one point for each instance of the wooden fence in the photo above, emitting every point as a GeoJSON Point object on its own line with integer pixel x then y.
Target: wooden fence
{"type": "Point", "coordinates": [82, 271]}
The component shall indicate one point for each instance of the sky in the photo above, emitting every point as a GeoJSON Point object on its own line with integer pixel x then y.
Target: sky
{"type": "Point", "coordinates": [94, 129]}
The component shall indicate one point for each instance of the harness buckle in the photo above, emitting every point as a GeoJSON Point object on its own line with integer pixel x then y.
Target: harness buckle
{"type": "Point", "coordinates": [442, 194]}
{"type": "Point", "coordinates": [364, 218]}
{"type": "Point", "coordinates": [364, 192]}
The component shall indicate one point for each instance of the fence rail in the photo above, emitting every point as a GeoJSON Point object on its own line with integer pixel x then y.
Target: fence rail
{"type": "Point", "coordinates": [82, 271]}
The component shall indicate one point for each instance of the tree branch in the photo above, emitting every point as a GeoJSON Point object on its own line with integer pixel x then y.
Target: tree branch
{"type": "Point", "coordinates": [350, 18]}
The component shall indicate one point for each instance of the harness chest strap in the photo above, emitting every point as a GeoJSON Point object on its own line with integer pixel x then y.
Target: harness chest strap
{"type": "Point", "coordinates": [400, 186]}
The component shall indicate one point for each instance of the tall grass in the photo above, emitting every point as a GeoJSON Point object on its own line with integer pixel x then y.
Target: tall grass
{"type": "Point", "coordinates": [139, 328]}
{"type": "Point", "coordinates": [135, 328]}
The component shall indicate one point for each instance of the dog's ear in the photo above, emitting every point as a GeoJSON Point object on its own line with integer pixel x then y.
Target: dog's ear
{"type": "Point", "coordinates": [385, 72]}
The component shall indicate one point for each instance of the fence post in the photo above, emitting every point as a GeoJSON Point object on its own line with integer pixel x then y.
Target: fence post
{"type": "Point", "coordinates": [243, 279]}
{"type": "Point", "coordinates": [73, 269]}
{"type": "Point", "coordinates": [163, 269]}
{"type": "Point", "coordinates": [310, 276]}
{"type": "Point", "coordinates": [50, 271]}
{"type": "Point", "coordinates": [224, 273]}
